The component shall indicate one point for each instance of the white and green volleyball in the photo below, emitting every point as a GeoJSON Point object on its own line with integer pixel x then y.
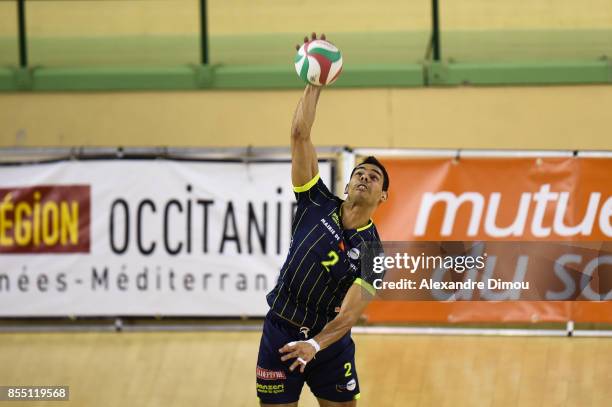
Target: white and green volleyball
{"type": "Point", "coordinates": [318, 62]}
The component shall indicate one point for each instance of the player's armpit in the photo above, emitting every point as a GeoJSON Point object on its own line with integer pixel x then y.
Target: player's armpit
{"type": "Point", "coordinates": [355, 302]}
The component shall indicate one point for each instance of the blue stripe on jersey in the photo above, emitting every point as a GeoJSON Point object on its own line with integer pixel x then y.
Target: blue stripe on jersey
{"type": "Point", "coordinates": [318, 270]}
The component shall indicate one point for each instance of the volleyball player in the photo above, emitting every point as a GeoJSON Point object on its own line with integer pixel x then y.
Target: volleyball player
{"type": "Point", "coordinates": [321, 292]}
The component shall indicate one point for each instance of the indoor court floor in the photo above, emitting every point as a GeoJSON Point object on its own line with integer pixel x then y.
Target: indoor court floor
{"type": "Point", "coordinates": [218, 369]}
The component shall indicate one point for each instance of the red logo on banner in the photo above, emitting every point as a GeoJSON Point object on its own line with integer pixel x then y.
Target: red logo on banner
{"type": "Point", "coordinates": [45, 219]}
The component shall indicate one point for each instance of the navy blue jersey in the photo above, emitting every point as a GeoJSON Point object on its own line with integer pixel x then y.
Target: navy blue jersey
{"type": "Point", "coordinates": [323, 260]}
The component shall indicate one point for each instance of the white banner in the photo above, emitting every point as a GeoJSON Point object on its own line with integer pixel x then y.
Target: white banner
{"type": "Point", "coordinates": [143, 237]}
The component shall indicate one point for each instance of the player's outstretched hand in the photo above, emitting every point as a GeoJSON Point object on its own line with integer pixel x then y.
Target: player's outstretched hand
{"type": "Point", "coordinates": [313, 37]}
{"type": "Point", "coordinates": [302, 351]}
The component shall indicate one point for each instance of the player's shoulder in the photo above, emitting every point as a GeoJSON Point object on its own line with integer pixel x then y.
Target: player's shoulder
{"type": "Point", "coordinates": [314, 192]}
{"type": "Point", "coordinates": [369, 232]}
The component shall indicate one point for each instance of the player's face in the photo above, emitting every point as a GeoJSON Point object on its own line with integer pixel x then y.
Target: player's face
{"type": "Point", "coordinates": [366, 185]}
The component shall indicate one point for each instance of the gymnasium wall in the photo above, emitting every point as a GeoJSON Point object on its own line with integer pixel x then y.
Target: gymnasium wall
{"type": "Point", "coordinates": [85, 44]}
{"type": "Point", "coordinates": [281, 16]}
{"type": "Point", "coordinates": [563, 117]}
{"type": "Point", "coordinates": [166, 32]}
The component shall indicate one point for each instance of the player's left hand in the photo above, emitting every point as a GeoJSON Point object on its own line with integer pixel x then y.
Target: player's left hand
{"type": "Point", "coordinates": [301, 350]}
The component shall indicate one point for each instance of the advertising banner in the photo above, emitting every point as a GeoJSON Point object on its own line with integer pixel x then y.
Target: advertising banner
{"type": "Point", "coordinates": [496, 201]}
{"type": "Point", "coordinates": [143, 237]}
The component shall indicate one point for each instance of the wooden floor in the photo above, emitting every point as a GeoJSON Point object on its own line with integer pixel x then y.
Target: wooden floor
{"type": "Point", "coordinates": [217, 369]}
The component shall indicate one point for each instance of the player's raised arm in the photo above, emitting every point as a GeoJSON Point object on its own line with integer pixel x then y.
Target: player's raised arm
{"type": "Point", "coordinates": [304, 164]}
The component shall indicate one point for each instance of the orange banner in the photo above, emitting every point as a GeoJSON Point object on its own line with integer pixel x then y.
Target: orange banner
{"type": "Point", "coordinates": [496, 199]}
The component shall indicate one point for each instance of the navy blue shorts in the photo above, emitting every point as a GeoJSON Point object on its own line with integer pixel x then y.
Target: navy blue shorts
{"type": "Point", "coordinates": [331, 375]}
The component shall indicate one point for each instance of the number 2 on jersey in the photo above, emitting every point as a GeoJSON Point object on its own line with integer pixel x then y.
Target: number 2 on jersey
{"type": "Point", "coordinates": [333, 259]}
{"type": "Point", "coordinates": [347, 366]}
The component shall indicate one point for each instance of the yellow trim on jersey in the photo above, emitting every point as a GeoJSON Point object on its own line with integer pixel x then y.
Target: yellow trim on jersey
{"type": "Point", "coordinates": [307, 185]}
{"type": "Point", "coordinates": [369, 288]}
{"type": "Point", "coordinates": [365, 227]}
{"type": "Point", "coordinates": [357, 396]}
{"type": "Point", "coordinates": [361, 228]}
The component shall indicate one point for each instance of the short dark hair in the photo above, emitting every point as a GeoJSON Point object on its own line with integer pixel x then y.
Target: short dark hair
{"type": "Point", "coordinates": [372, 160]}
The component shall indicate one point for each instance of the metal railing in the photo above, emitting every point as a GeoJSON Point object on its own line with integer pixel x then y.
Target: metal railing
{"type": "Point", "coordinates": [209, 72]}
{"type": "Point", "coordinates": [23, 41]}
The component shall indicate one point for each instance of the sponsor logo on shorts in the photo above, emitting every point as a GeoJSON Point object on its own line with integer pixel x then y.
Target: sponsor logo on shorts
{"type": "Point", "coordinates": [350, 386]}
{"type": "Point", "coordinates": [265, 374]}
{"type": "Point", "coordinates": [270, 388]}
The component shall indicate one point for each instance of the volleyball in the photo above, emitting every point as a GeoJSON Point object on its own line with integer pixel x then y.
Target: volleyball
{"type": "Point", "coordinates": [318, 62]}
